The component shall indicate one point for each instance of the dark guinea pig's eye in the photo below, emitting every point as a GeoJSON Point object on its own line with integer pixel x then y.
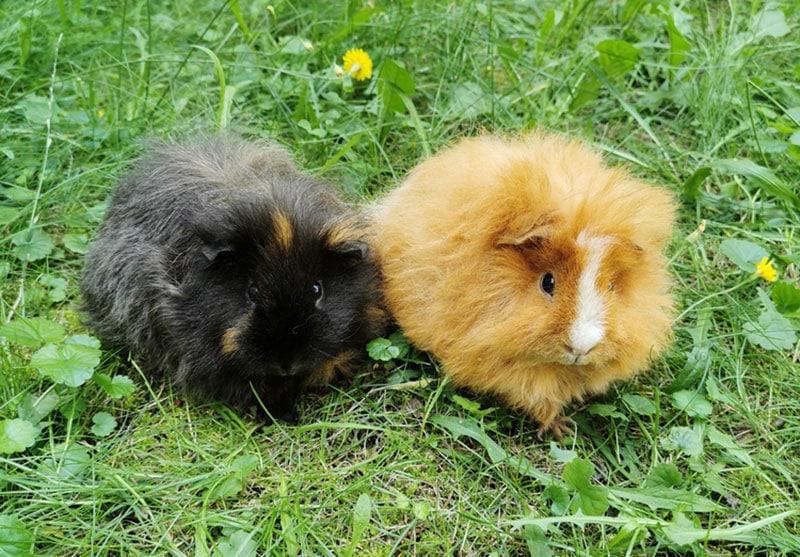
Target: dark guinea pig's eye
{"type": "Point", "coordinates": [316, 291]}
{"type": "Point", "coordinates": [252, 292]}
{"type": "Point", "coordinates": [548, 284]}
{"type": "Point", "coordinates": [610, 286]}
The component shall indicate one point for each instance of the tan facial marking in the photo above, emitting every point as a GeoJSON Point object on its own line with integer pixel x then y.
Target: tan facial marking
{"type": "Point", "coordinates": [283, 231]}
{"type": "Point", "coordinates": [229, 343]}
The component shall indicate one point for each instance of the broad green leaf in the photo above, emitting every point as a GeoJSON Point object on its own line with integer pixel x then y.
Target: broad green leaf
{"type": "Point", "coordinates": [36, 109]}
{"type": "Point", "coordinates": [770, 22]}
{"type": "Point", "coordinates": [68, 462]}
{"type": "Point", "coordinates": [361, 516]}
{"type": "Point", "coordinates": [468, 428]}
{"type": "Point", "coordinates": [16, 435]}
{"type": "Point", "coordinates": [786, 298]}
{"type": "Point", "coordinates": [665, 474]}
{"type": "Point", "coordinates": [467, 101]}
{"type": "Point", "coordinates": [694, 369]}
{"type": "Point", "coordinates": [382, 350]}
{"type": "Point", "coordinates": [691, 187]}
{"type": "Point", "coordinates": [119, 386]}
{"type": "Point", "coordinates": [679, 47]}
{"type": "Point", "coordinates": [772, 332]}
{"type": "Point", "coordinates": [32, 331]}
{"type": "Point", "coordinates": [561, 455]}
{"type": "Point", "coordinates": [727, 442]}
{"type": "Point", "coordinates": [606, 410]}
{"type": "Point", "coordinates": [743, 253]}
{"type": "Point", "coordinates": [76, 243]}
{"type": "Point", "coordinates": [394, 81]}
{"type": "Point", "coordinates": [35, 409]}
{"type": "Point", "coordinates": [103, 424]}
{"type": "Point", "coordinates": [681, 534]}
{"type": "Point", "coordinates": [666, 498]}
{"type": "Point", "coordinates": [761, 176]}
{"type": "Point", "coordinates": [685, 439]}
{"type": "Point", "coordinates": [15, 539]}
{"type": "Point", "coordinates": [693, 403]}
{"type": "Point", "coordinates": [616, 57]}
{"type": "Point", "coordinates": [70, 363]}
{"type": "Point", "coordinates": [238, 544]}
{"type": "Point", "coordinates": [640, 405]}
{"type": "Point", "coordinates": [536, 540]}
{"type": "Point", "coordinates": [592, 499]}
{"type": "Point", "coordinates": [8, 215]}
{"type": "Point", "coordinates": [558, 497]}
{"type": "Point", "coordinates": [31, 245]}
{"type": "Point", "coordinates": [244, 465]}
{"type": "Point", "coordinates": [577, 473]}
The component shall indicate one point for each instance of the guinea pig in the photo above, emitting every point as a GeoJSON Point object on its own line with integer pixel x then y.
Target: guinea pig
{"type": "Point", "coordinates": [529, 269]}
{"type": "Point", "coordinates": [223, 268]}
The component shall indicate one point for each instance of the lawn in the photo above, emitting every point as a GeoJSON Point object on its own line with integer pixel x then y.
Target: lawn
{"type": "Point", "coordinates": [698, 456]}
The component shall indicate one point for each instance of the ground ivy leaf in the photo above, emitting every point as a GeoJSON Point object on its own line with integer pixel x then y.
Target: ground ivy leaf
{"type": "Point", "coordinates": [71, 363]}
{"type": "Point", "coordinates": [76, 243]}
{"type": "Point", "coordinates": [772, 332]}
{"type": "Point", "coordinates": [16, 435]}
{"type": "Point", "coordinates": [32, 331]}
{"type": "Point", "coordinates": [665, 474]}
{"type": "Point", "coordinates": [685, 439]}
{"type": "Point", "coordinates": [558, 497]}
{"type": "Point", "coordinates": [34, 409]}
{"type": "Point", "coordinates": [770, 22]}
{"type": "Point", "coordinates": [103, 424]}
{"type": "Point", "coordinates": [593, 500]}
{"type": "Point", "coordinates": [238, 544]}
{"type": "Point", "coordinates": [536, 540]}
{"type": "Point", "coordinates": [15, 539]}
{"type": "Point", "coordinates": [693, 403]}
{"type": "Point", "coordinates": [561, 455]}
{"type": "Point", "coordinates": [743, 253]}
{"type": "Point", "coordinates": [577, 473]}
{"type": "Point", "coordinates": [68, 461]}
{"type": "Point", "coordinates": [119, 386]}
{"type": "Point", "coordinates": [31, 245]}
{"type": "Point", "coordinates": [639, 404]}
{"type": "Point", "coordinates": [786, 298]}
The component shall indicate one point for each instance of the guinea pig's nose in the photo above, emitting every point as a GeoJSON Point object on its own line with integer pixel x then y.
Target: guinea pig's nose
{"type": "Point", "coordinates": [576, 356]}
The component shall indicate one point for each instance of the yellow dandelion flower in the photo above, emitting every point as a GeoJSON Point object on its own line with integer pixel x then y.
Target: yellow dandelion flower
{"type": "Point", "coordinates": [357, 64]}
{"type": "Point", "coordinates": [101, 112]}
{"type": "Point", "coordinates": [766, 270]}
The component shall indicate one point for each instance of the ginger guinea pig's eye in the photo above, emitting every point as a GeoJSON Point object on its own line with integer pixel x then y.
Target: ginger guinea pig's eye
{"type": "Point", "coordinates": [252, 292]}
{"type": "Point", "coordinates": [548, 284]}
{"type": "Point", "coordinates": [316, 291]}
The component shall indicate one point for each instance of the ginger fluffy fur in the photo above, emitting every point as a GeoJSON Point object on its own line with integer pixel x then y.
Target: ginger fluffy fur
{"type": "Point", "coordinates": [463, 243]}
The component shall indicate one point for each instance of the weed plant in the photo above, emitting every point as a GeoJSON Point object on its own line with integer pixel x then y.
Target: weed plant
{"type": "Point", "coordinates": [697, 457]}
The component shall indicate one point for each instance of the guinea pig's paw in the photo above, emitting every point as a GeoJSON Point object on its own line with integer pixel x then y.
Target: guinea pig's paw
{"type": "Point", "coordinates": [560, 427]}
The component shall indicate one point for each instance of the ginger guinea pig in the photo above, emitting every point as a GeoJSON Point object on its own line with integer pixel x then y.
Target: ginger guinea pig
{"type": "Point", "coordinates": [530, 269]}
{"type": "Point", "coordinates": [226, 270]}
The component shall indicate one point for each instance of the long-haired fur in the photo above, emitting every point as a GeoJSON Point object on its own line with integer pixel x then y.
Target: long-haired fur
{"type": "Point", "coordinates": [228, 271]}
{"type": "Point", "coordinates": [475, 237]}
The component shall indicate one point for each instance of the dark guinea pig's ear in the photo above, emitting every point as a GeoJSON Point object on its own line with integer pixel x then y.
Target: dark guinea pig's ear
{"type": "Point", "coordinates": [212, 250]}
{"type": "Point", "coordinates": [351, 249]}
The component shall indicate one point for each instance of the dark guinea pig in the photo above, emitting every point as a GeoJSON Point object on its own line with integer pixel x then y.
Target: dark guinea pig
{"type": "Point", "coordinates": [228, 271]}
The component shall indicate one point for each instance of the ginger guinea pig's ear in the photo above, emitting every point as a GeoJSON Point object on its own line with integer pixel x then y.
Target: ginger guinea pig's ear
{"type": "Point", "coordinates": [530, 231]}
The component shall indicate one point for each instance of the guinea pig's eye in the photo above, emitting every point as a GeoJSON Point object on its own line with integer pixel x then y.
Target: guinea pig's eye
{"type": "Point", "coordinates": [548, 284]}
{"type": "Point", "coordinates": [252, 292]}
{"type": "Point", "coordinates": [316, 291]}
{"type": "Point", "coordinates": [610, 286]}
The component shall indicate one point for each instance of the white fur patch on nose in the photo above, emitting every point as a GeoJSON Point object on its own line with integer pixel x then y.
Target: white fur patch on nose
{"type": "Point", "coordinates": [589, 328]}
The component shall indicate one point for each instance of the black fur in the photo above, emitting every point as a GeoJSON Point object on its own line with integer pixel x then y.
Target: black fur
{"type": "Point", "coordinates": [208, 269]}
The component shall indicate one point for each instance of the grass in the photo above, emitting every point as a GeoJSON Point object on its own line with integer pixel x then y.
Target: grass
{"type": "Point", "coordinates": [698, 457]}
